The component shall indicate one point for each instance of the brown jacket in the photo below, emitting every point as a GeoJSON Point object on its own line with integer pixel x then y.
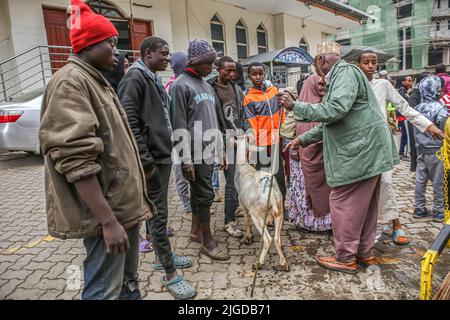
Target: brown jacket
{"type": "Point", "coordinates": [85, 132]}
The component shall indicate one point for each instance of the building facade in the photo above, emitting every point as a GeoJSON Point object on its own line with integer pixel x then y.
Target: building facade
{"type": "Point", "coordinates": [237, 28]}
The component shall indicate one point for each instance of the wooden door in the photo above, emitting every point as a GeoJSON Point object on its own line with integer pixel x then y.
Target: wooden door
{"type": "Point", "coordinates": [140, 30]}
{"type": "Point", "coordinates": [55, 21]}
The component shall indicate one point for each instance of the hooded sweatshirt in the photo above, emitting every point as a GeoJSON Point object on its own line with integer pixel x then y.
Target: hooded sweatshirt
{"type": "Point", "coordinates": [146, 103]}
{"type": "Point", "coordinates": [193, 110]}
{"type": "Point", "coordinates": [432, 109]}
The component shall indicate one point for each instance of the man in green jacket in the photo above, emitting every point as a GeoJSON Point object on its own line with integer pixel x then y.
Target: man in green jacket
{"type": "Point", "coordinates": [358, 148]}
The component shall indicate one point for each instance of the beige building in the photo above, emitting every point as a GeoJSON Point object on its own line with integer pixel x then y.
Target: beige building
{"type": "Point", "coordinates": [237, 28]}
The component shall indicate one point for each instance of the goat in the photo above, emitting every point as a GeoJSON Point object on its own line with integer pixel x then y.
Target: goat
{"type": "Point", "coordinates": [252, 187]}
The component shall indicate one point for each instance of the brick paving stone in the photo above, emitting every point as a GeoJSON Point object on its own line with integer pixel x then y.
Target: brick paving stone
{"type": "Point", "coordinates": [39, 272]}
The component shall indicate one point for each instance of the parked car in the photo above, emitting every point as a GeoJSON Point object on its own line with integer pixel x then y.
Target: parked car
{"type": "Point", "coordinates": [19, 122]}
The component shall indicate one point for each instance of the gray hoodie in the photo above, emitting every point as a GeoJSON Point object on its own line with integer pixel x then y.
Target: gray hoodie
{"type": "Point", "coordinates": [193, 108]}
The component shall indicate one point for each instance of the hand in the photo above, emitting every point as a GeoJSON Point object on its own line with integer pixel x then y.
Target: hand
{"type": "Point", "coordinates": [189, 173]}
{"type": "Point", "coordinates": [116, 238]}
{"type": "Point", "coordinates": [293, 145]}
{"type": "Point", "coordinates": [224, 164]}
{"type": "Point", "coordinates": [285, 100]}
{"type": "Point", "coordinates": [435, 132]}
{"type": "Point", "coordinates": [295, 156]}
{"type": "Point", "coordinates": [150, 172]}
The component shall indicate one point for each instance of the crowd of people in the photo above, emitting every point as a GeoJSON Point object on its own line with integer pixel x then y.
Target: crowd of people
{"type": "Point", "coordinates": [113, 133]}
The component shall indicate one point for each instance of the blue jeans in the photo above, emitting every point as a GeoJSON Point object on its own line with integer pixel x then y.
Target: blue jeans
{"type": "Point", "coordinates": [111, 277]}
{"type": "Point", "coordinates": [404, 137]}
{"type": "Point", "coordinates": [215, 177]}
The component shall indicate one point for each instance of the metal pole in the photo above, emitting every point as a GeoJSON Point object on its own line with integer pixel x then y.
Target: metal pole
{"type": "Point", "coordinates": [2, 80]}
{"type": "Point", "coordinates": [404, 48]}
{"type": "Point", "coordinates": [42, 66]}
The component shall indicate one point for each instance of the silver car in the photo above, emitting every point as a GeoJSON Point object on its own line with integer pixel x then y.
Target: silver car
{"type": "Point", "coordinates": [19, 122]}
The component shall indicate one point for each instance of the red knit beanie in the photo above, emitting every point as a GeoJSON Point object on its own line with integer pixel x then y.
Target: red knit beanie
{"type": "Point", "coordinates": [87, 27]}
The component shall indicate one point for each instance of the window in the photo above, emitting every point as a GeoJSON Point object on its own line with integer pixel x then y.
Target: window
{"type": "Point", "coordinates": [448, 20]}
{"type": "Point", "coordinates": [241, 40]}
{"type": "Point", "coordinates": [217, 35]}
{"type": "Point", "coordinates": [261, 39]}
{"type": "Point", "coordinates": [408, 62]}
{"type": "Point", "coordinates": [404, 11]}
{"type": "Point", "coordinates": [435, 55]}
{"type": "Point", "coordinates": [439, 4]}
{"type": "Point", "coordinates": [303, 45]}
{"type": "Point", "coordinates": [438, 26]}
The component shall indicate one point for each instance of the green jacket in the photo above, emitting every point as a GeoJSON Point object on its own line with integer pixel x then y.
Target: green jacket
{"type": "Point", "coordinates": [357, 142]}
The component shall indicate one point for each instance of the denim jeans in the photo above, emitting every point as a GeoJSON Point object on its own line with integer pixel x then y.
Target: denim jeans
{"type": "Point", "coordinates": [231, 196]}
{"type": "Point", "coordinates": [111, 277]}
{"type": "Point", "coordinates": [404, 137]}
{"type": "Point", "coordinates": [215, 177]}
{"type": "Point", "coordinates": [182, 186]}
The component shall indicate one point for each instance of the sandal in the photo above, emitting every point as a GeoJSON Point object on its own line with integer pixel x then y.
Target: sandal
{"type": "Point", "coordinates": [170, 232]}
{"type": "Point", "coordinates": [399, 237]}
{"type": "Point", "coordinates": [216, 253]}
{"type": "Point", "coordinates": [179, 288]}
{"type": "Point", "coordinates": [145, 246]}
{"type": "Point", "coordinates": [179, 262]}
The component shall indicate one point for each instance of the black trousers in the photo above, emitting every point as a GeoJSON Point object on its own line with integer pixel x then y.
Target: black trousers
{"type": "Point", "coordinates": [157, 190]}
{"type": "Point", "coordinates": [202, 192]}
{"type": "Point", "coordinates": [412, 147]}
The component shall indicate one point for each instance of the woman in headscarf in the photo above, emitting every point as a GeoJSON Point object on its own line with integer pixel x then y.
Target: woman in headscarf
{"type": "Point", "coordinates": [309, 205]}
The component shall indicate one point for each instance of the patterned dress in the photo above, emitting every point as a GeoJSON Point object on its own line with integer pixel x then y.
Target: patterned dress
{"type": "Point", "coordinates": [300, 214]}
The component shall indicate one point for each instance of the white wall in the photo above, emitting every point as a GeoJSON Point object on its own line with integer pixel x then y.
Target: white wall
{"type": "Point", "coordinates": [199, 13]}
{"type": "Point", "coordinates": [5, 31]}
{"type": "Point", "coordinates": [312, 32]}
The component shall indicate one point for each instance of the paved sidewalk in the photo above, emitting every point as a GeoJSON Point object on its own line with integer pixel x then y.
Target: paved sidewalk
{"type": "Point", "coordinates": [36, 266]}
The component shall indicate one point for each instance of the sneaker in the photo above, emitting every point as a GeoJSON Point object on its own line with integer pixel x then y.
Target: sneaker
{"type": "Point", "coordinates": [218, 197]}
{"type": "Point", "coordinates": [438, 217]}
{"type": "Point", "coordinates": [418, 214]}
{"type": "Point", "coordinates": [239, 212]}
{"type": "Point", "coordinates": [232, 229]}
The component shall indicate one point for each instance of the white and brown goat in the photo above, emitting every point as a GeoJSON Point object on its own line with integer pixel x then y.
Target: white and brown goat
{"type": "Point", "coordinates": [253, 189]}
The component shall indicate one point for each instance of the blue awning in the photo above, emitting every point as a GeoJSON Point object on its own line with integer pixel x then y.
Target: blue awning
{"type": "Point", "coordinates": [292, 57]}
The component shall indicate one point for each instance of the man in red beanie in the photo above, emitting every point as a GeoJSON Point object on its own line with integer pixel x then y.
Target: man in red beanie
{"type": "Point", "coordinates": [95, 185]}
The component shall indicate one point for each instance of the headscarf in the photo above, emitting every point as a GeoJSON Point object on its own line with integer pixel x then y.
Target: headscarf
{"type": "Point", "coordinates": [310, 90]}
{"type": "Point", "coordinates": [430, 88]}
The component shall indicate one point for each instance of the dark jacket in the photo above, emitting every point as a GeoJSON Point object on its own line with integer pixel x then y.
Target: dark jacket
{"type": "Point", "coordinates": [223, 122]}
{"type": "Point", "coordinates": [147, 106]}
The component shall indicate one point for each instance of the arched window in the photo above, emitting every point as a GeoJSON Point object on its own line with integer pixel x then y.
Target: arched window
{"type": "Point", "coordinates": [241, 40]}
{"type": "Point", "coordinates": [217, 35]}
{"type": "Point", "coordinates": [131, 32]}
{"type": "Point", "coordinates": [105, 9]}
{"type": "Point", "coordinates": [261, 35]}
{"type": "Point", "coordinates": [303, 45]}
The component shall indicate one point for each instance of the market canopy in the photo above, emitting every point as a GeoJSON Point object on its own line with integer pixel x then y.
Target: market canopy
{"type": "Point", "coordinates": [292, 57]}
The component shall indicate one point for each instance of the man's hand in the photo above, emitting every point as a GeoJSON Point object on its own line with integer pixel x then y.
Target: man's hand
{"type": "Point", "coordinates": [189, 173]}
{"type": "Point", "coordinates": [115, 237]}
{"type": "Point", "coordinates": [293, 145]}
{"type": "Point", "coordinates": [435, 132]}
{"type": "Point", "coordinates": [285, 100]}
